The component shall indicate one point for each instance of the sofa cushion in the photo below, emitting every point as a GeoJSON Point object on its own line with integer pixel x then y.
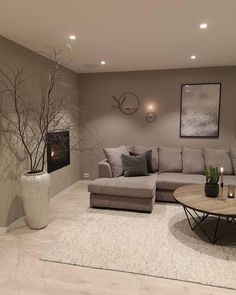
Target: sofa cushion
{"type": "Point", "coordinates": [230, 179]}
{"type": "Point", "coordinates": [148, 156]}
{"type": "Point", "coordinates": [134, 165]}
{"type": "Point", "coordinates": [233, 158]}
{"type": "Point", "coordinates": [139, 149]}
{"type": "Point", "coordinates": [193, 161]}
{"type": "Point", "coordinates": [172, 181]}
{"type": "Point", "coordinates": [139, 187]}
{"type": "Point", "coordinates": [170, 159]}
{"type": "Point", "coordinates": [218, 158]}
{"type": "Point", "coordinates": [114, 158]}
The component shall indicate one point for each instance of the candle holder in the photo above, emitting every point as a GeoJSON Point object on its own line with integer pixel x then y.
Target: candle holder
{"type": "Point", "coordinates": [231, 191]}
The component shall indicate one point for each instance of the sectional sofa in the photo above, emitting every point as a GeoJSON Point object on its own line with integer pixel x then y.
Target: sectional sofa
{"type": "Point", "coordinates": [172, 168]}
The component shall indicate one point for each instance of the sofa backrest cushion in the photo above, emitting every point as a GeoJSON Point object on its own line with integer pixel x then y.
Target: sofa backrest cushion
{"type": "Point", "coordinates": [193, 161]}
{"type": "Point", "coordinates": [139, 149]}
{"type": "Point", "coordinates": [218, 158]}
{"type": "Point", "coordinates": [233, 158]}
{"type": "Point", "coordinates": [114, 158]}
{"type": "Point", "coordinates": [134, 165]}
{"type": "Point", "coordinates": [170, 159]}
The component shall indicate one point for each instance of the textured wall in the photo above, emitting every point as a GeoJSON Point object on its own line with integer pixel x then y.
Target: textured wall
{"type": "Point", "coordinates": [10, 165]}
{"type": "Point", "coordinates": [162, 89]}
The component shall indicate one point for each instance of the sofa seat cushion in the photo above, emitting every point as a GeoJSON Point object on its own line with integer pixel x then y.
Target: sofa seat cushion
{"type": "Point", "coordinates": [172, 181]}
{"type": "Point", "coordinates": [138, 187]}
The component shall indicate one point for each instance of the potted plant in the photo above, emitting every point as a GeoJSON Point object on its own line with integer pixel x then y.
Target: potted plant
{"type": "Point", "coordinates": [29, 119]}
{"type": "Point", "coordinates": [212, 179]}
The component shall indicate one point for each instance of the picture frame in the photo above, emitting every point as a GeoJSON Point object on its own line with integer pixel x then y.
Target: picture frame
{"type": "Point", "coordinates": [200, 110]}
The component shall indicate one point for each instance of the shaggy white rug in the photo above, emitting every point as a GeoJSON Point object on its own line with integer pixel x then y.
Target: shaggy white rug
{"type": "Point", "coordinates": [160, 244]}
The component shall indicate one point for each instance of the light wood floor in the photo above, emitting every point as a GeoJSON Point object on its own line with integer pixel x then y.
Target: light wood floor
{"type": "Point", "coordinates": [22, 273]}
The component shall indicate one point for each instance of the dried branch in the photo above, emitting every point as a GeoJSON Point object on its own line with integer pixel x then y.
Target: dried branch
{"type": "Point", "coordinates": [30, 120]}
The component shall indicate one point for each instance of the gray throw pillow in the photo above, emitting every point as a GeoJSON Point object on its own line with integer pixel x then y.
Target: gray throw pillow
{"type": "Point", "coordinates": [218, 158]}
{"type": "Point", "coordinates": [233, 158]}
{"type": "Point", "coordinates": [193, 161]}
{"type": "Point", "coordinates": [148, 155]}
{"type": "Point", "coordinates": [139, 149]}
{"type": "Point", "coordinates": [134, 165]}
{"type": "Point", "coordinates": [113, 156]}
{"type": "Point", "coordinates": [170, 159]}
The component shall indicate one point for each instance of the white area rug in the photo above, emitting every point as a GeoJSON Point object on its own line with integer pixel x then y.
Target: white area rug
{"type": "Point", "coordinates": [160, 244]}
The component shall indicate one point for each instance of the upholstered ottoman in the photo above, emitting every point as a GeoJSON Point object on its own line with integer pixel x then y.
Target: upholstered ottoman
{"type": "Point", "coordinates": [131, 193]}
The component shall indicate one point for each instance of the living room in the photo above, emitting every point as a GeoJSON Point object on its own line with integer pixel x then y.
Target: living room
{"type": "Point", "coordinates": [118, 147]}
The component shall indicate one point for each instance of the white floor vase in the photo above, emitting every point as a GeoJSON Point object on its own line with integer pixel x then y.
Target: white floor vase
{"type": "Point", "coordinates": [36, 196]}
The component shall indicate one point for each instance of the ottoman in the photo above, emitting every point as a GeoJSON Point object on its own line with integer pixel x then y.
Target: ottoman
{"type": "Point", "coordinates": [130, 193]}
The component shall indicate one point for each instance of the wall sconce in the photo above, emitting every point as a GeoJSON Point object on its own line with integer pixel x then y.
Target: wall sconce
{"type": "Point", "coordinates": [150, 116]}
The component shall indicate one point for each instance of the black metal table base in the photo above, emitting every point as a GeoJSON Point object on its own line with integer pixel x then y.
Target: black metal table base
{"type": "Point", "coordinates": [199, 218]}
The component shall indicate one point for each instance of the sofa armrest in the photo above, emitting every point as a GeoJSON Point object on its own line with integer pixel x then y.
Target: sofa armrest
{"type": "Point", "coordinates": [104, 169]}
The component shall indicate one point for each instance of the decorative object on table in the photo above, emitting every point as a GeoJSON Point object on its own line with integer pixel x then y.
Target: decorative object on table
{"type": "Point", "coordinates": [200, 110]}
{"type": "Point", "coordinates": [128, 103]}
{"type": "Point", "coordinates": [150, 116]}
{"type": "Point", "coordinates": [26, 121]}
{"type": "Point", "coordinates": [212, 179]}
{"type": "Point", "coordinates": [221, 177]}
{"type": "Point", "coordinates": [231, 191]}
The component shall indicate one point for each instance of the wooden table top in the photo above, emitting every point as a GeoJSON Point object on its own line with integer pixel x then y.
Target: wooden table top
{"type": "Point", "coordinates": [193, 196]}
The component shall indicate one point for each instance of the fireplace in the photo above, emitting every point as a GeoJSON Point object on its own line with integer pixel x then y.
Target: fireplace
{"type": "Point", "coordinates": [58, 150]}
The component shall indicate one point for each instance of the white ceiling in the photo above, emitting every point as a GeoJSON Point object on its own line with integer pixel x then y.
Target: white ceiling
{"type": "Point", "coordinates": [127, 34]}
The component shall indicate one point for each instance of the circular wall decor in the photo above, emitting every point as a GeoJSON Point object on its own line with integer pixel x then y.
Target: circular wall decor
{"type": "Point", "coordinates": [128, 103]}
{"type": "Point", "coordinates": [150, 117]}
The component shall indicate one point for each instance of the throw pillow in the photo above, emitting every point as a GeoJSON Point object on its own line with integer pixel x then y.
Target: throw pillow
{"type": "Point", "coordinates": [233, 158]}
{"type": "Point", "coordinates": [170, 159]}
{"type": "Point", "coordinates": [148, 155]}
{"type": "Point", "coordinates": [139, 149]}
{"type": "Point", "coordinates": [218, 158]}
{"type": "Point", "coordinates": [113, 156]}
{"type": "Point", "coordinates": [193, 161]}
{"type": "Point", "coordinates": [134, 165]}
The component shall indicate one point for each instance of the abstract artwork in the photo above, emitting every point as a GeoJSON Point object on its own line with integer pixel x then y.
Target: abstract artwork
{"type": "Point", "coordinates": [200, 110]}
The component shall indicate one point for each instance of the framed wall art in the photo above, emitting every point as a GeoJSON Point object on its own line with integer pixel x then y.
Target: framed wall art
{"type": "Point", "coordinates": [200, 110]}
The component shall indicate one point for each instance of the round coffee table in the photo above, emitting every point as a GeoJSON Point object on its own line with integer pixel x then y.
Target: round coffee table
{"type": "Point", "coordinates": [198, 208]}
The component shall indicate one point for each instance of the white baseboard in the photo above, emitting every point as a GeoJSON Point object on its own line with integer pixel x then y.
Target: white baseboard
{"type": "Point", "coordinates": [15, 224]}
{"type": "Point", "coordinates": [3, 230]}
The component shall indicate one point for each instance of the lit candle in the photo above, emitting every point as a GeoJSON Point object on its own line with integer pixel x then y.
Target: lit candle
{"type": "Point", "coordinates": [150, 108]}
{"type": "Point", "coordinates": [231, 190]}
{"type": "Point", "coordinates": [221, 176]}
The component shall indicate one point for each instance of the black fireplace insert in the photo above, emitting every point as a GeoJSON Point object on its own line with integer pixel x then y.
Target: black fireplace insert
{"type": "Point", "coordinates": [58, 150]}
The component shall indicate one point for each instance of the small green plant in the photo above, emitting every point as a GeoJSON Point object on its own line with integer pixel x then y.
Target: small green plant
{"type": "Point", "coordinates": [212, 175]}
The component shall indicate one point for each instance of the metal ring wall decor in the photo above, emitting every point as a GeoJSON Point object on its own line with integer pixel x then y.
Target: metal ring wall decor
{"type": "Point", "coordinates": [128, 103]}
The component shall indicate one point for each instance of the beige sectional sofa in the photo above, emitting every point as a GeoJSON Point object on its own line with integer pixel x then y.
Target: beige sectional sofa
{"type": "Point", "coordinates": [174, 167]}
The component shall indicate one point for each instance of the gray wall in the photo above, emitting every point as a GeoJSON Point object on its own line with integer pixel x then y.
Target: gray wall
{"type": "Point", "coordinates": [162, 89]}
{"type": "Point", "coordinates": [10, 165]}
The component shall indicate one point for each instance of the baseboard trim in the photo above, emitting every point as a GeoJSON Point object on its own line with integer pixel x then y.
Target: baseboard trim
{"type": "Point", "coordinates": [15, 224]}
{"type": "Point", "coordinates": [3, 230]}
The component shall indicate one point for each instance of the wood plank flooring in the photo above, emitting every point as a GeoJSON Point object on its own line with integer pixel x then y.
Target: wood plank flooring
{"type": "Point", "coordinates": [22, 273]}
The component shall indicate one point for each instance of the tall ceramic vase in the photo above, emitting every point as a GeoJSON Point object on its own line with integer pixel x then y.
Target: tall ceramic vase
{"type": "Point", "coordinates": [35, 188]}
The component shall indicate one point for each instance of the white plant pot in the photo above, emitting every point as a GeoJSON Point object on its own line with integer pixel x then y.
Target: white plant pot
{"type": "Point", "coordinates": [35, 190]}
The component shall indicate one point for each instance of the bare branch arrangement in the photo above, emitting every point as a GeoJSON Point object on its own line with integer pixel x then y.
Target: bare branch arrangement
{"type": "Point", "coordinates": [30, 120]}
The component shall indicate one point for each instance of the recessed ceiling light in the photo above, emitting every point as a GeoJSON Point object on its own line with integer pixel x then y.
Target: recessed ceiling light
{"type": "Point", "coordinates": [193, 57]}
{"type": "Point", "coordinates": [72, 37]}
{"type": "Point", "coordinates": [203, 26]}
{"type": "Point", "coordinates": [103, 62]}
